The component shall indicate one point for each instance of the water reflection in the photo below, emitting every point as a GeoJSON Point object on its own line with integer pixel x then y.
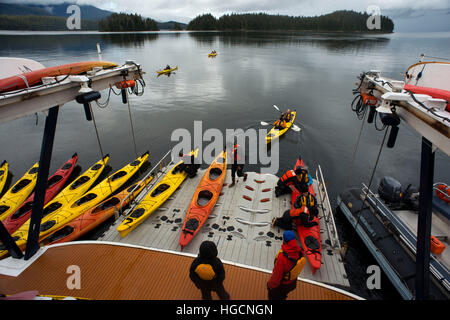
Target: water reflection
{"type": "Point", "coordinates": [330, 41]}
{"type": "Point", "coordinates": [129, 39]}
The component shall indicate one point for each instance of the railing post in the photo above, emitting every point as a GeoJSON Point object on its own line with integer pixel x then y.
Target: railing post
{"type": "Point", "coordinates": [41, 184]}
{"type": "Point", "coordinates": [424, 221]}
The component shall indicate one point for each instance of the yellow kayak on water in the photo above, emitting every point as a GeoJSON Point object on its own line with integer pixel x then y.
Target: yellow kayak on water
{"type": "Point", "coordinates": [167, 70]}
{"type": "Point", "coordinates": [69, 194]}
{"type": "Point", "coordinates": [275, 134]}
{"type": "Point", "coordinates": [18, 193]}
{"type": "Point", "coordinates": [3, 175]}
{"type": "Point", "coordinates": [154, 199]}
{"type": "Point", "coordinates": [212, 54]}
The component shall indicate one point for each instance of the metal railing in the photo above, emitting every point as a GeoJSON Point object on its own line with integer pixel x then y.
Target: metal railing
{"type": "Point", "coordinates": [163, 164]}
{"type": "Point", "coordinates": [326, 209]}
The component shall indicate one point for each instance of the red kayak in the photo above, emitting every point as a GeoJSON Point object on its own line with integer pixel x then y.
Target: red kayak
{"type": "Point", "coordinates": [54, 185]}
{"type": "Point", "coordinates": [433, 92]}
{"type": "Point", "coordinates": [309, 237]}
{"type": "Point", "coordinates": [32, 78]}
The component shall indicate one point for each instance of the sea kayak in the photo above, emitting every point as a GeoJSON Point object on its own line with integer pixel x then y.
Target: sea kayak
{"type": "Point", "coordinates": [275, 134]}
{"type": "Point", "coordinates": [70, 193]}
{"type": "Point", "coordinates": [167, 70]}
{"type": "Point", "coordinates": [309, 237]}
{"type": "Point", "coordinates": [95, 196]}
{"type": "Point", "coordinates": [154, 199]}
{"type": "Point", "coordinates": [204, 199]}
{"type": "Point", "coordinates": [3, 175]}
{"type": "Point", "coordinates": [18, 193]}
{"type": "Point", "coordinates": [32, 78]}
{"type": "Point", "coordinates": [54, 184]}
{"type": "Point", "coordinates": [212, 54]}
{"type": "Point", "coordinates": [94, 217]}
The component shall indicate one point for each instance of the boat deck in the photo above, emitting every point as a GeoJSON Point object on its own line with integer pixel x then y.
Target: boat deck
{"type": "Point", "coordinates": [240, 227]}
{"type": "Point", "coordinates": [121, 272]}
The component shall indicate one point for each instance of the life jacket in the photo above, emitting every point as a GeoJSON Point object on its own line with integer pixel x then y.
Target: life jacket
{"type": "Point", "coordinates": [295, 213]}
{"type": "Point", "coordinates": [297, 265]}
{"type": "Point", "coordinates": [306, 200]}
{"type": "Point", "coordinates": [288, 177]}
{"type": "Point", "coordinates": [287, 116]}
{"type": "Point", "coordinates": [303, 177]}
{"type": "Point", "coordinates": [205, 271]}
{"type": "Point", "coordinates": [443, 192]}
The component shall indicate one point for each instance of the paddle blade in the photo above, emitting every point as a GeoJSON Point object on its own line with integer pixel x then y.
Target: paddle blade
{"type": "Point", "coordinates": [264, 123]}
{"type": "Point", "coordinates": [276, 108]}
{"type": "Point", "coordinates": [296, 128]}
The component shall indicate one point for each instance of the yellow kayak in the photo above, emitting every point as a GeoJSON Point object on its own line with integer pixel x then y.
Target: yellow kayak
{"type": "Point", "coordinates": [69, 194]}
{"type": "Point", "coordinates": [3, 175]}
{"type": "Point", "coordinates": [18, 193]}
{"type": "Point", "coordinates": [212, 54]}
{"type": "Point", "coordinates": [97, 195]}
{"type": "Point", "coordinates": [274, 133]}
{"type": "Point", "coordinates": [154, 199]}
{"type": "Point", "coordinates": [167, 70]}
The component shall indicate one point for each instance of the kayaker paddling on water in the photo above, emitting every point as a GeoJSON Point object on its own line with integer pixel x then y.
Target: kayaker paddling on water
{"type": "Point", "coordinates": [207, 272]}
{"type": "Point", "coordinates": [237, 168]}
{"type": "Point", "coordinates": [283, 120]}
{"type": "Point", "coordinates": [288, 264]}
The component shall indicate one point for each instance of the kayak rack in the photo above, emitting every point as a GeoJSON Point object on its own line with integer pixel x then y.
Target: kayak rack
{"type": "Point", "coordinates": [159, 169]}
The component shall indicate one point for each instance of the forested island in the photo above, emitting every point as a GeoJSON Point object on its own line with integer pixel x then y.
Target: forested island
{"type": "Point", "coordinates": [344, 21]}
{"type": "Point", "coordinates": [127, 22]}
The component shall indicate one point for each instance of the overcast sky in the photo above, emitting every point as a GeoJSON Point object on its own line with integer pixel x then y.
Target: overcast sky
{"type": "Point", "coordinates": [185, 10]}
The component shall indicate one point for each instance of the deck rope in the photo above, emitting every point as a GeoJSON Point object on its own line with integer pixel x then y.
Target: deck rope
{"type": "Point", "coordinates": [99, 142]}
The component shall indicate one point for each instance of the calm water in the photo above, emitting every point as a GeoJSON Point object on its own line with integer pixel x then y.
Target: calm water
{"type": "Point", "coordinates": [312, 73]}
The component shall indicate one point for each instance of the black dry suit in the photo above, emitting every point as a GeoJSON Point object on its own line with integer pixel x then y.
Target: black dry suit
{"type": "Point", "coordinates": [207, 272]}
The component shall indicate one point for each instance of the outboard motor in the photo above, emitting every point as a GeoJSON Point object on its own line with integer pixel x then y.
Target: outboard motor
{"type": "Point", "coordinates": [390, 190]}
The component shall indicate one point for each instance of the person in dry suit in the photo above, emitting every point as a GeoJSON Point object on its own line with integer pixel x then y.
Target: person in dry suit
{"type": "Point", "coordinates": [295, 178]}
{"type": "Point", "coordinates": [306, 199]}
{"type": "Point", "coordinates": [207, 272]}
{"type": "Point", "coordinates": [188, 165]}
{"type": "Point", "coordinates": [293, 218]}
{"type": "Point", "coordinates": [288, 264]}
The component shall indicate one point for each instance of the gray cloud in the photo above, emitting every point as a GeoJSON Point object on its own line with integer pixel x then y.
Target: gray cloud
{"type": "Point", "coordinates": [185, 10]}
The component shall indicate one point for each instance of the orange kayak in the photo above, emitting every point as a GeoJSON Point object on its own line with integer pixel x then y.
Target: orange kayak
{"type": "Point", "coordinates": [93, 217]}
{"type": "Point", "coordinates": [32, 78]}
{"type": "Point", "coordinates": [204, 199]}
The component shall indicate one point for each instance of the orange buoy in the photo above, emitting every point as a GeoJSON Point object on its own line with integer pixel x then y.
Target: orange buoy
{"type": "Point", "coordinates": [443, 192]}
{"type": "Point", "coordinates": [437, 247]}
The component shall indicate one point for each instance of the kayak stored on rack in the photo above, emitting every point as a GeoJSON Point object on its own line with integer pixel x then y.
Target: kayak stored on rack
{"type": "Point", "coordinates": [21, 190]}
{"type": "Point", "coordinates": [204, 199]}
{"type": "Point", "coordinates": [95, 196]}
{"type": "Point", "coordinates": [275, 133]}
{"type": "Point", "coordinates": [309, 237]}
{"type": "Point", "coordinates": [95, 216]}
{"type": "Point", "coordinates": [155, 198]}
{"type": "Point", "coordinates": [32, 78]}
{"type": "Point", "coordinates": [70, 193]}
{"type": "Point", "coordinates": [54, 185]}
{"type": "Point", "coordinates": [3, 175]}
